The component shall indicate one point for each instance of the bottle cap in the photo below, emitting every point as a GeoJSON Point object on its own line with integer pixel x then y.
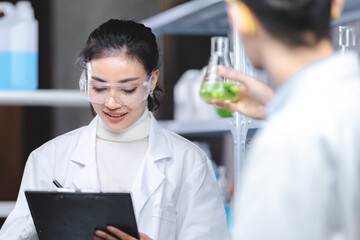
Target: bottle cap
{"type": "Point", "coordinates": [24, 10]}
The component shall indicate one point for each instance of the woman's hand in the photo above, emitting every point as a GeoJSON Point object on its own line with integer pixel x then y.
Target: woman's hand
{"type": "Point", "coordinates": [100, 235]}
{"type": "Point", "coordinates": [254, 94]}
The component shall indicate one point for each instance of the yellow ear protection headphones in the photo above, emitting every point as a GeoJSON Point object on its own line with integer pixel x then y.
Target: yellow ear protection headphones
{"type": "Point", "coordinates": [335, 12]}
{"type": "Point", "coordinates": [246, 18]}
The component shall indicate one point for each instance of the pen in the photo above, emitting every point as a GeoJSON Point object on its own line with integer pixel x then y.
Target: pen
{"type": "Point", "coordinates": [57, 184]}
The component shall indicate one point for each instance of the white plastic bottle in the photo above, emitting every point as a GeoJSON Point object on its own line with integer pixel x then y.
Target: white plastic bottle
{"type": "Point", "coordinates": [6, 15]}
{"type": "Point", "coordinates": [18, 47]}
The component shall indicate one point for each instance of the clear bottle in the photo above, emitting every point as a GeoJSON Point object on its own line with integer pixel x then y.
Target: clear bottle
{"type": "Point", "coordinates": [214, 86]}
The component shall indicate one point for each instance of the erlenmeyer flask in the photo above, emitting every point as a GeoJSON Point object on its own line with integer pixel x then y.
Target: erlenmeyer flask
{"type": "Point", "coordinates": [214, 86]}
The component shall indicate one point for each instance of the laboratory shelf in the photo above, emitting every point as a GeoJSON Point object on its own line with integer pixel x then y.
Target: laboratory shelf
{"type": "Point", "coordinates": [6, 207]}
{"type": "Point", "coordinates": [196, 127]}
{"type": "Point", "coordinates": [50, 98]}
{"type": "Point", "coordinates": [209, 17]}
{"type": "Point", "coordinates": [196, 17]}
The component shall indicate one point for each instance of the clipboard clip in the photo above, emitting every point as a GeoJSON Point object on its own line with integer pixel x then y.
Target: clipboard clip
{"type": "Point", "coordinates": [60, 188]}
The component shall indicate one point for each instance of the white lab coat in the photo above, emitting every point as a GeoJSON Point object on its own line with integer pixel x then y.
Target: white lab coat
{"type": "Point", "coordinates": [303, 177]}
{"type": "Point", "coordinates": [175, 193]}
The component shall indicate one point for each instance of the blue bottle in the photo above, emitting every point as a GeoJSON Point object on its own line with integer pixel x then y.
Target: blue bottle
{"type": "Point", "coordinates": [18, 47]}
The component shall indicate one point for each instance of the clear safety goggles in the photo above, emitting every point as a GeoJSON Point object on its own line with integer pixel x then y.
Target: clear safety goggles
{"type": "Point", "coordinates": [123, 93]}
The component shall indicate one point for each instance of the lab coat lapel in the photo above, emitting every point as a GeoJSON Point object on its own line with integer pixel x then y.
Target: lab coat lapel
{"type": "Point", "coordinates": [150, 175]}
{"type": "Point", "coordinates": [85, 174]}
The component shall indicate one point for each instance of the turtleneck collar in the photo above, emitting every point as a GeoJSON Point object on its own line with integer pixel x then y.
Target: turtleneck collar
{"type": "Point", "coordinates": [137, 131]}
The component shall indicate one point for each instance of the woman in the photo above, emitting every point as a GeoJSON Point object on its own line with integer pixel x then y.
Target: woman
{"type": "Point", "coordinates": [303, 177]}
{"type": "Point", "coordinates": [174, 191]}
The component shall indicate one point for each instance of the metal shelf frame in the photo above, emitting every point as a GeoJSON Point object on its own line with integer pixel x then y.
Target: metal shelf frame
{"type": "Point", "coordinates": [49, 98]}
{"type": "Point", "coordinates": [6, 207]}
{"type": "Point", "coordinates": [199, 127]}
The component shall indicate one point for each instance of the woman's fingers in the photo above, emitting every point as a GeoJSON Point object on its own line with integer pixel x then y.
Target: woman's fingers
{"type": "Point", "coordinates": [229, 106]}
{"type": "Point", "coordinates": [100, 235]}
{"type": "Point", "coordinates": [233, 74]}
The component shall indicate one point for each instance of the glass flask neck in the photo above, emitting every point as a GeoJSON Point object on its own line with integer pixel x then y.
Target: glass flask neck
{"type": "Point", "coordinates": [220, 45]}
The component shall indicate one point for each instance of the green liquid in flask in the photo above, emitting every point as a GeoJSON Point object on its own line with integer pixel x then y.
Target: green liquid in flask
{"type": "Point", "coordinates": [227, 92]}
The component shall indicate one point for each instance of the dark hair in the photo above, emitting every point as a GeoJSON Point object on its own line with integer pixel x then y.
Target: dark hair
{"type": "Point", "coordinates": [295, 22]}
{"type": "Point", "coordinates": [129, 37]}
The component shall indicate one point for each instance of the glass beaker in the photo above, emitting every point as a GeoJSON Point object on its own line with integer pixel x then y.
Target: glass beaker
{"type": "Point", "coordinates": [214, 86]}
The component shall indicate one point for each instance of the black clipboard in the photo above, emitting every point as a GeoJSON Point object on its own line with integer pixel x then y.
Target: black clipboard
{"type": "Point", "coordinates": [77, 215]}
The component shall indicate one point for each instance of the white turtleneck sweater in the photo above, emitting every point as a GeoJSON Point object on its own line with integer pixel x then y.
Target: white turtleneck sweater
{"type": "Point", "coordinates": [119, 154]}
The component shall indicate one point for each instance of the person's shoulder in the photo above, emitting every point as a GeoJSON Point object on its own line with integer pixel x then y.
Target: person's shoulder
{"type": "Point", "coordinates": [180, 142]}
{"type": "Point", "coordinates": [187, 158]}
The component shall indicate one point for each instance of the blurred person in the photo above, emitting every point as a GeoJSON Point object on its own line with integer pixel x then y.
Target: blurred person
{"type": "Point", "coordinates": [171, 180]}
{"type": "Point", "coordinates": [302, 181]}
